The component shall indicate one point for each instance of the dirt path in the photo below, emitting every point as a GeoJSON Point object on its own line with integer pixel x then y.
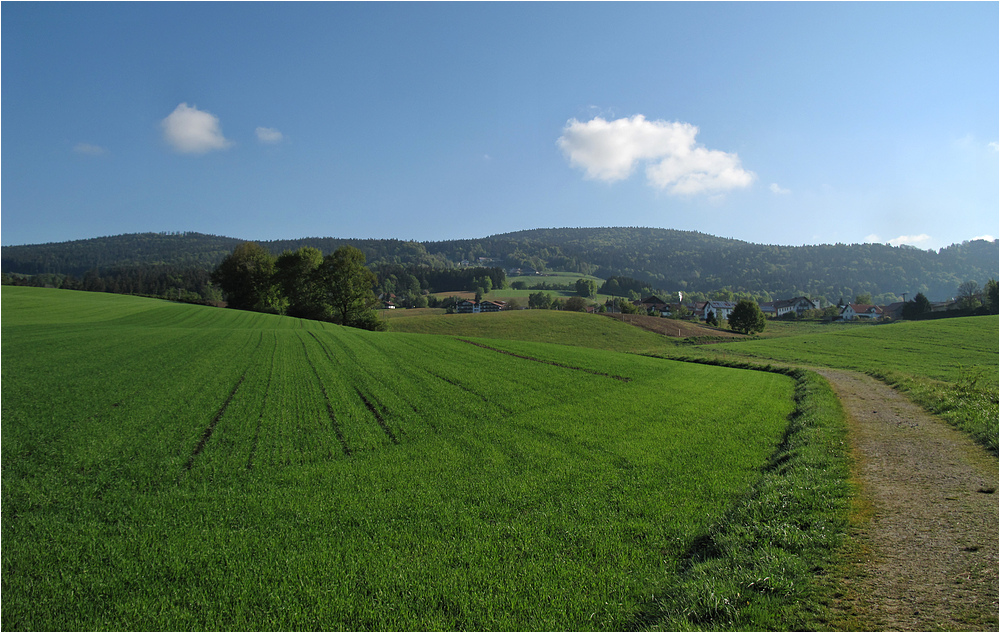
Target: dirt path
{"type": "Point", "coordinates": [924, 555]}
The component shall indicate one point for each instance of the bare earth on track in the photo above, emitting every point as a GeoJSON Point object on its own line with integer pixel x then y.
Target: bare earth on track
{"type": "Point", "coordinates": [924, 557]}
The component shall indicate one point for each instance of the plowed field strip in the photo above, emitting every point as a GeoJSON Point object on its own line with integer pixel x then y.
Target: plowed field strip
{"type": "Point", "coordinates": [547, 362]}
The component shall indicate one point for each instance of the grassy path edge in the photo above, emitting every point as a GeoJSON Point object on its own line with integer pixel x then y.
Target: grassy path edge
{"type": "Point", "coordinates": [763, 565]}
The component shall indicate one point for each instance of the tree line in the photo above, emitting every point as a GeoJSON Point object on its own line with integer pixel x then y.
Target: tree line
{"type": "Point", "coordinates": [301, 283]}
{"type": "Point", "coordinates": [659, 259]}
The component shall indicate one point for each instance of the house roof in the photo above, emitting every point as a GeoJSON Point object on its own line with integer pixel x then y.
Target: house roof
{"type": "Point", "coordinates": [862, 308]}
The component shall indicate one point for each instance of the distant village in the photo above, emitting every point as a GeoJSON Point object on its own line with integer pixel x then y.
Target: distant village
{"type": "Point", "coordinates": [709, 311]}
{"type": "Point", "coordinates": [798, 307]}
{"type": "Point", "coordinates": [720, 310]}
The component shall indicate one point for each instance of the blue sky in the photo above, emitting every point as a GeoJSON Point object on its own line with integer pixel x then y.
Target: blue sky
{"type": "Point", "coordinates": [779, 123]}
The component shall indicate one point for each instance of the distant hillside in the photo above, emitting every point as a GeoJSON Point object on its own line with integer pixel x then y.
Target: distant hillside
{"type": "Point", "coordinates": [666, 259]}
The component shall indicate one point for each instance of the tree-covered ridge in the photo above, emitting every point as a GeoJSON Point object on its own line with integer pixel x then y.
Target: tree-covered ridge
{"type": "Point", "coordinates": [664, 259]}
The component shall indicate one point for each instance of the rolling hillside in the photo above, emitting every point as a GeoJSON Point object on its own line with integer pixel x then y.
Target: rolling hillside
{"type": "Point", "coordinates": [667, 259]}
{"type": "Point", "coordinates": [179, 467]}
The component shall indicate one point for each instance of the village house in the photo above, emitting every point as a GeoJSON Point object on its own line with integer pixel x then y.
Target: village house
{"type": "Point", "coordinates": [780, 308]}
{"type": "Point", "coordinates": [893, 310]}
{"type": "Point", "coordinates": [720, 309]}
{"type": "Point", "coordinates": [655, 304]}
{"type": "Point", "coordinates": [468, 306]}
{"type": "Point", "coordinates": [492, 306]}
{"type": "Point", "coordinates": [861, 311]}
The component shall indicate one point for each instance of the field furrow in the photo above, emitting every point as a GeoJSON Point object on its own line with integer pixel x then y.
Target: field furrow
{"type": "Point", "coordinates": [331, 414]}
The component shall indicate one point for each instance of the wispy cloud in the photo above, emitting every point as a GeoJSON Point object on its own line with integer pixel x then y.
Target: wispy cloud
{"type": "Point", "coordinates": [910, 240]}
{"type": "Point", "coordinates": [779, 190]}
{"type": "Point", "coordinates": [89, 150]}
{"type": "Point", "coordinates": [191, 131]}
{"type": "Point", "coordinates": [609, 151]}
{"type": "Point", "coordinates": [269, 135]}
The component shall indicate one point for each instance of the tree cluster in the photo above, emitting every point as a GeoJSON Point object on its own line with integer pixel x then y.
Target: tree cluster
{"type": "Point", "coordinates": [301, 283]}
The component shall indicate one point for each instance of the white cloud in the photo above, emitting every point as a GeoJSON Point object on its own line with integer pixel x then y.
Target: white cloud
{"type": "Point", "coordinates": [191, 131]}
{"type": "Point", "coordinates": [995, 146]}
{"type": "Point", "coordinates": [269, 135]}
{"type": "Point", "coordinates": [911, 240]}
{"type": "Point", "coordinates": [779, 190]}
{"type": "Point", "coordinates": [89, 150]}
{"type": "Point", "coordinates": [988, 238]}
{"type": "Point", "coordinates": [609, 151]}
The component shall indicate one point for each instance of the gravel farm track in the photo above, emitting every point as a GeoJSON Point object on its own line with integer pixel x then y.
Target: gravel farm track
{"type": "Point", "coordinates": [923, 549]}
{"type": "Point", "coordinates": [922, 552]}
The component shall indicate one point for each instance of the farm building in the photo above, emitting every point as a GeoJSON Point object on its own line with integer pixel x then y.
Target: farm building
{"type": "Point", "coordinates": [466, 307]}
{"type": "Point", "coordinates": [469, 306]}
{"type": "Point", "coordinates": [780, 308]}
{"type": "Point", "coordinates": [721, 309]}
{"type": "Point", "coordinates": [653, 303]}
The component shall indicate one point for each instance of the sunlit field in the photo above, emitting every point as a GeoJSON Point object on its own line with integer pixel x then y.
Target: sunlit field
{"type": "Point", "coordinates": [169, 466]}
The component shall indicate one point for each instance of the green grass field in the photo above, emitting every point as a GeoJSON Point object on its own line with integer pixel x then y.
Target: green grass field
{"type": "Point", "coordinates": [540, 326]}
{"type": "Point", "coordinates": [949, 366]}
{"type": "Point", "coordinates": [168, 466]}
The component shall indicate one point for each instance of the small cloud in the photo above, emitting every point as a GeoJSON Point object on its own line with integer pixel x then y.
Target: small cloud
{"type": "Point", "coordinates": [778, 190]}
{"type": "Point", "coordinates": [873, 239]}
{"type": "Point", "coordinates": [191, 131]}
{"type": "Point", "coordinates": [609, 151]}
{"type": "Point", "coordinates": [988, 238]}
{"type": "Point", "coordinates": [89, 150]}
{"type": "Point", "coordinates": [269, 135]}
{"type": "Point", "coordinates": [995, 146]}
{"type": "Point", "coordinates": [487, 157]}
{"type": "Point", "coordinates": [911, 240]}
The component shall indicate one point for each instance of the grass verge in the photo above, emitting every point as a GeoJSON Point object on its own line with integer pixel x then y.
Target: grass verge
{"type": "Point", "coordinates": [759, 567]}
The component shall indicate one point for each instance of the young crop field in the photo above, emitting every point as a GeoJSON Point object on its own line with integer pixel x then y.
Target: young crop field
{"type": "Point", "coordinates": [169, 466]}
{"type": "Point", "coordinates": [540, 326]}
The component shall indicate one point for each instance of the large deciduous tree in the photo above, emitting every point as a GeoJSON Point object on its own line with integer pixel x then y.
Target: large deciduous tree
{"type": "Point", "coordinates": [992, 294]}
{"type": "Point", "coordinates": [297, 275]}
{"type": "Point", "coordinates": [969, 295]}
{"type": "Point", "coordinates": [347, 288]}
{"type": "Point", "coordinates": [246, 277]}
{"type": "Point", "coordinates": [586, 287]}
{"type": "Point", "coordinates": [747, 318]}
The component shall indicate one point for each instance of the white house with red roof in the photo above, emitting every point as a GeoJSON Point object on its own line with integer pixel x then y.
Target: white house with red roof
{"type": "Point", "coordinates": [860, 311]}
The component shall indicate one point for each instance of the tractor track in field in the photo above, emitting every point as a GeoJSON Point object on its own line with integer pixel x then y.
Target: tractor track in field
{"type": "Point", "coordinates": [378, 416]}
{"type": "Point", "coordinates": [207, 433]}
{"type": "Point", "coordinates": [922, 552]}
{"type": "Point", "coordinates": [547, 362]}
{"type": "Point", "coordinates": [326, 399]}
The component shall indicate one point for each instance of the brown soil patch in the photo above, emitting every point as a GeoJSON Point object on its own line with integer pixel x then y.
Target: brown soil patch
{"type": "Point", "coordinates": [923, 548]}
{"type": "Point", "coordinates": [672, 327]}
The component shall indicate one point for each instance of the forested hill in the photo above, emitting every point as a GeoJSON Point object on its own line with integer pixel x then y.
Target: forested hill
{"type": "Point", "coordinates": [666, 259]}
